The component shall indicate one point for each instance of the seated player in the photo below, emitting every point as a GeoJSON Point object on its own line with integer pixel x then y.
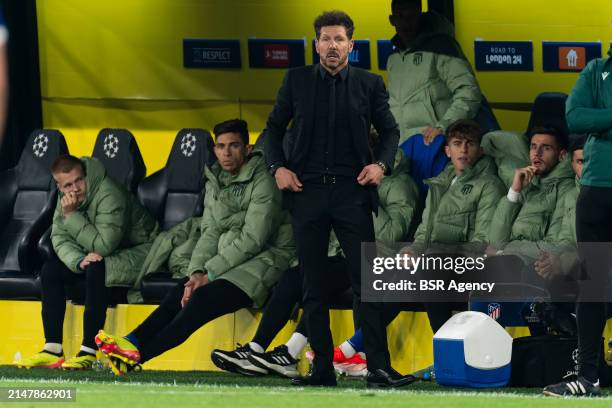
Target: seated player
{"type": "Point", "coordinates": [459, 205]}
{"type": "Point", "coordinates": [246, 243]}
{"type": "Point", "coordinates": [529, 219]}
{"type": "Point", "coordinates": [101, 235]}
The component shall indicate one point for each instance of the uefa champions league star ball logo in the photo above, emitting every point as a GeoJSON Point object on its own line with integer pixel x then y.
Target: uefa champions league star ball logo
{"type": "Point", "coordinates": [40, 145]}
{"type": "Point", "coordinates": [111, 146]}
{"type": "Point", "coordinates": [188, 145]}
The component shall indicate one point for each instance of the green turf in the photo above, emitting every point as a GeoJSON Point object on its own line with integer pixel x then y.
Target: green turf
{"type": "Point", "coordinates": [185, 389]}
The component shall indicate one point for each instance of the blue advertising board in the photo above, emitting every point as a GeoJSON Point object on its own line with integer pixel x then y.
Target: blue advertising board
{"type": "Point", "coordinates": [276, 53]}
{"type": "Point", "coordinates": [385, 48]}
{"type": "Point", "coordinates": [503, 55]}
{"type": "Point", "coordinates": [203, 53]}
{"type": "Point", "coordinates": [568, 56]}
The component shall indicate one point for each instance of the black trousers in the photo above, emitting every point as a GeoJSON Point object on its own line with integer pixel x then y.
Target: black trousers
{"type": "Point", "coordinates": [288, 294]}
{"type": "Point", "coordinates": [593, 224]}
{"type": "Point", "coordinates": [170, 324]}
{"type": "Point", "coordinates": [56, 278]}
{"type": "Point", "coordinates": [346, 207]}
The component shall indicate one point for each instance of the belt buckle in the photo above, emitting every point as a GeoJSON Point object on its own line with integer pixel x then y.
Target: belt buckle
{"type": "Point", "coordinates": [329, 179]}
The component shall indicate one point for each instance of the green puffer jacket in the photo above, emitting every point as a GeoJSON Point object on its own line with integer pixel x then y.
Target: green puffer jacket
{"type": "Point", "coordinates": [110, 222]}
{"type": "Point", "coordinates": [461, 212]}
{"type": "Point", "coordinates": [567, 234]}
{"type": "Point", "coordinates": [568, 227]}
{"type": "Point", "coordinates": [430, 81]}
{"type": "Point", "coordinates": [399, 203]}
{"type": "Point", "coordinates": [246, 237]}
{"type": "Point", "coordinates": [510, 150]}
{"type": "Point", "coordinates": [534, 223]}
{"type": "Point", "coordinates": [398, 206]}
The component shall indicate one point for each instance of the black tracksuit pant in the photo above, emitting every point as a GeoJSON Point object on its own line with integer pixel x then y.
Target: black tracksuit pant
{"type": "Point", "coordinates": [55, 278]}
{"type": "Point", "coordinates": [287, 294]}
{"type": "Point", "coordinates": [593, 224]}
{"type": "Point", "coordinates": [170, 324]}
{"type": "Point", "coordinates": [345, 206]}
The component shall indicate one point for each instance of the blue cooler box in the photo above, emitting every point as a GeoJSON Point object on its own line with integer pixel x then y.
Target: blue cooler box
{"type": "Point", "coordinates": [472, 350]}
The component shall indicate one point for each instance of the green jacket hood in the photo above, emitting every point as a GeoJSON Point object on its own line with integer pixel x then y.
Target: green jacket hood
{"type": "Point", "coordinates": [484, 166]}
{"type": "Point", "coordinates": [246, 173]}
{"type": "Point", "coordinates": [94, 175]}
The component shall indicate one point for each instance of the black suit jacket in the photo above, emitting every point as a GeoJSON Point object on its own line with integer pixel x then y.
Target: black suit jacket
{"type": "Point", "coordinates": [368, 102]}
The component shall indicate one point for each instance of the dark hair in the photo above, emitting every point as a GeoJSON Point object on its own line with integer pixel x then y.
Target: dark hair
{"type": "Point", "coordinates": [405, 3]}
{"type": "Point", "coordinates": [233, 126]}
{"type": "Point", "coordinates": [464, 129]}
{"type": "Point", "coordinates": [334, 18]}
{"type": "Point", "coordinates": [552, 130]}
{"type": "Point", "coordinates": [66, 163]}
{"type": "Point", "coordinates": [576, 142]}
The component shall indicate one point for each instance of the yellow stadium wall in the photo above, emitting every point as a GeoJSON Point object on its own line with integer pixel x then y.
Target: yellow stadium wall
{"type": "Point", "coordinates": [409, 336]}
{"type": "Point", "coordinates": [119, 63]}
{"type": "Point", "coordinates": [528, 20]}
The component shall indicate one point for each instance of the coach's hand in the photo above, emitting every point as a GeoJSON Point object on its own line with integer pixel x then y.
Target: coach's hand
{"type": "Point", "coordinates": [287, 180]}
{"type": "Point", "coordinates": [196, 280]}
{"type": "Point", "coordinates": [89, 259]}
{"type": "Point", "coordinates": [69, 204]}
{"type": "Point", "coordinates": [372, 174]}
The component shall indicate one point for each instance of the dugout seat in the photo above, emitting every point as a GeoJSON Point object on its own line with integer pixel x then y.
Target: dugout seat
{"type": "Point", "coordinates": [175, 193]}
{"type": "Point", "coordinates": [549, 109]}
{"type": "Point", "coordinates": [27, 204]}
{"type": "Point", "coordinates": [118, 150]}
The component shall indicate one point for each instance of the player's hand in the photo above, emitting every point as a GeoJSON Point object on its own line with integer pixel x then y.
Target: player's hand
{"type": "Point", "coordinates": [522, 178]}
{"type": "Point", "coordinates": [196, 280]}
{"type": "Point", "coordinates": [287, 180]}
{"type": "Point", "coordinates": [430, 133]}
{"type": "Point", "coordinates": [69, 203]}
{"type": "Point", "coordinates": [548, 265]}
{"type": "Point", "coordinates": [89, 259]}
{"type": "Point", "coordinates": [372, 174]}
{"type": "Point", "coordinates": [490, 251]}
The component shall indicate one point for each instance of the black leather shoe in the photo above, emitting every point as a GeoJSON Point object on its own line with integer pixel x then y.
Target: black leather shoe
{"type": "Point", "coordinates": [388, 378]}
{"type": "Point", "coordinates": [315, 381]}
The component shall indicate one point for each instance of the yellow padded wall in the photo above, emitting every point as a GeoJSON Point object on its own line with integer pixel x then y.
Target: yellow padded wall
{"type": "Point", "coordinates": [528, 20]}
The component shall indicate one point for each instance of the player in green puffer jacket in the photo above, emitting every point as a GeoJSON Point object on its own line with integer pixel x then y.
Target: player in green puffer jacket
{"type": "Point", "coordinates": [101, 236]}
{"type": "Point", "coordinates": [245, 243]}
{"type": "Point", "coordinates": [528, 220]}
{"type": "Point", "coordinates": [431, 83]}
{"type": "Point", "coordinates": [459, 207]}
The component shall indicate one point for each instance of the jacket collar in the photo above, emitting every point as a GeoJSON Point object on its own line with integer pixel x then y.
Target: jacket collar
{"type": "Point", "coordinates": [562, 170]}
{"type": "Point", "coordinates": [245, 174]}
{"type": "Point", "coordinates": [485, 165]}
{"type": "Point", "coordinates": [342, 74]}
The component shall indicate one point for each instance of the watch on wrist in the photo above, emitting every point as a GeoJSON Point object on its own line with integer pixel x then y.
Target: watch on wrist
{"type": "Point", "coordinates": [382, 165]}
{"type": "Point", "coordinates": [273, 167]}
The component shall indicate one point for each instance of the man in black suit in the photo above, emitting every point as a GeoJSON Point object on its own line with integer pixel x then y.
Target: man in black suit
{"type": "Point", "coordinates": [329, 178]}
